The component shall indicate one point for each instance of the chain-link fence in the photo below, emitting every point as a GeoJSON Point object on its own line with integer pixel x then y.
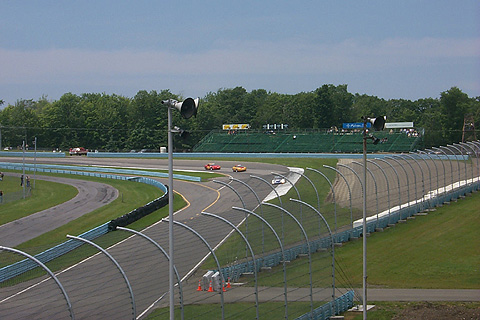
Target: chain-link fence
{"type": "Point", "coordinates": [266, 257]}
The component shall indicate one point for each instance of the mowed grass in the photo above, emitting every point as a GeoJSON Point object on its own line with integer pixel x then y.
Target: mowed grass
{"type": "Point", "coordinates": [437, 251]}
{"type": "Point", "coordinates": [239, 310]}
{"type": "Point", "coordinates": [440, 250]}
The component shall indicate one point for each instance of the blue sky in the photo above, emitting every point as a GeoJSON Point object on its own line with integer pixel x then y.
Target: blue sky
{"type": "Point", "coordinates": [391, 49]}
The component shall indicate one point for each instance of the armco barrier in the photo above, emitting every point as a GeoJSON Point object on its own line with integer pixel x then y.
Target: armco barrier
{"type": "Point", "coordinates": [20, 267]}
{"type": "Point", "coordinates": [91, 170]}
{"type": "Point", "coordinates": [330, 309]}
{"type": "Point", "coordinates": [30, 154]}
{"type": "Point", "coordinates": [243, 155]}
{"type": "Point", "coordinates": [139, 213]}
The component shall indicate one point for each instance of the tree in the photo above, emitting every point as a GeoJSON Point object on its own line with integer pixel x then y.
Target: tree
{"type": "Point", "coordinates": [332, 106]}
{"type": "Point", "coordinates": [18, 120]}
{"type": "Point", "coordinates": [116, 123]}
{"type": "Point", "coordinates": [454, 105]}
{"type": "Point", "coordinates": [429, 117]}
{"type": "Point", "coordinates": [369, 106]}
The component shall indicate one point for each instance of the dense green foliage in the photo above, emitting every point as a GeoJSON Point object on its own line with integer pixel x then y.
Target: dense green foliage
{"type": "Point", "coordinates": [117, 123]}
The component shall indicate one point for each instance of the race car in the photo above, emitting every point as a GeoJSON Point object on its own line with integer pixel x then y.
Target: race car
{"type": "Point", "coordinates": [239, 168]}
{"type": "Point", "coordinates": [278, 180]}
{"type": "Point", "coordinates": [212, 166]}
{"type": "Point", "coordinates": [78, 151]}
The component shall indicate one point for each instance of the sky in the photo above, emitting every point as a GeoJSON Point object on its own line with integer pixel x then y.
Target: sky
{"type": "Point", "coordinates": [409, 49]}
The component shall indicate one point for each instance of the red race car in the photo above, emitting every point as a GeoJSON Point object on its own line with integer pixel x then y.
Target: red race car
{"type": "Point", "coordinates": [212, 166]}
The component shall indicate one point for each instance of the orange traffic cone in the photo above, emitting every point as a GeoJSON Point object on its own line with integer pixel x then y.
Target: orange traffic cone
{"type": "Point", "coordinates": [210, 289]}
{"type": "Point", "coordinates": [223, 287]}
{"type": "Point", "coordinates": [228, 283]}
{"type": "Point", "coordinates": [199, 286]}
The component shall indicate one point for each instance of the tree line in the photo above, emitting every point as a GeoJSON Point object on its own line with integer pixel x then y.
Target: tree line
{"type": "Point", "coordinates": [117, 123]}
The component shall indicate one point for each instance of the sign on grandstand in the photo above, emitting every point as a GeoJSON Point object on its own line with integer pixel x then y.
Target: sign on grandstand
{"type": "Point", "coordinates": [236, 126]}
{"type": "Point", "coordinates": [355, 125]}
{"type": "Point", "coordinates": [275, 126]}
{"type": "Point", "coordinates": [398, 125]}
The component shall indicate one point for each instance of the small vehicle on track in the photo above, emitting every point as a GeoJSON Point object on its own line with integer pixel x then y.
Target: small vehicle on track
{"type": "Point", "coordinates": [278, 180]}
{"type": "Point", "coordinates": [78, 151]}
{"type": "Point", "coordinates": [212, 166]}
{"type": "Point", "coordinates": [239, 168]}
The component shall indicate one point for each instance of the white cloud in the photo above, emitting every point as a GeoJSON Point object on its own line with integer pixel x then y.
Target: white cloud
{"type": "Point", "coordinates": [235, 58]}
{"type": "Point", "coordinates": [397, 67]}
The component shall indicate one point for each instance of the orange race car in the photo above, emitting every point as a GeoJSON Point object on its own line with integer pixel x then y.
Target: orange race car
{"type": "Point", "coordinates": [239, 168]}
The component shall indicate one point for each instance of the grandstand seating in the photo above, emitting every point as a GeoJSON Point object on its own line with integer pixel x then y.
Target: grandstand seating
{"type": "Point", "coordinates": [305, 142]}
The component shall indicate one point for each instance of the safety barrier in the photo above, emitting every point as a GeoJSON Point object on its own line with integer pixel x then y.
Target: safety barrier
{"type": "Point", "coordinates": [139, 213]}
{"type": "Point", "coordinates": [22, 266]}
{"type": "Point", "coordinates": [31, 154]}
{"type": "Point", "coordinates": [330, 309]}
{"type": "Point", "coordinates": [91, 170]}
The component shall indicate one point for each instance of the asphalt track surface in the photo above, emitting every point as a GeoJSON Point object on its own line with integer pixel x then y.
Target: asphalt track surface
{"type": "Point", "coordinates": [82, 281]}
{"type": "Point", "coordinates": [90, 196]}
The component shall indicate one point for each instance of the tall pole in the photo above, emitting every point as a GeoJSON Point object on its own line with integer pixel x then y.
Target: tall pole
{"type": "Point", "coordinates": [35, 164]}
{"type": "Point", "coordinates": [365, 218]}
{"type": "Point", "coordinates": [170, 214]}
{"type": "Point", "coordinates": [187, 109]}
{"type": "Point", "coordinates": [23, 169]}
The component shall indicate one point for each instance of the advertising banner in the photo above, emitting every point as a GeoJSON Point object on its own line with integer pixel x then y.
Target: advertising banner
{"type": "Point", "coordinates": [236, 126]}
{"type": "Point", "coordinates": [398, 125]}
{"type": "Point", "coordinates": [355, 125]}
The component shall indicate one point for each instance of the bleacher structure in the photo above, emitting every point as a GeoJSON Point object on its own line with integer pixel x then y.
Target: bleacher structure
{"type": "Point", "coordinates": [308, 141]}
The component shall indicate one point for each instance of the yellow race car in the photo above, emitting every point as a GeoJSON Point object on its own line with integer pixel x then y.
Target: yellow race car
{"type": "Point", "coordinates": [239, 168]}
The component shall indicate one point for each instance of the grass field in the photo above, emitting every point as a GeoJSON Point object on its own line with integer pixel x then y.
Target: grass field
{"type": "Point", "coordinates": [440, 250]}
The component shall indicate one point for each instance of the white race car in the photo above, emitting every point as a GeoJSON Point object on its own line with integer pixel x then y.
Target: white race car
{"type": "Point", "coordinates": [278, 180]}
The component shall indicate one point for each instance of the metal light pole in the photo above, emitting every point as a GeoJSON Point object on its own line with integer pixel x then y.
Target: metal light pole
{"type": "Point", "coordinates": [187, 109]}
{"type": "Point", "coordinates": [170, 213]}
{"type": "Point", "coordinates": [378, 124]}
{"type": "Point", "coordinates": [364, 223]}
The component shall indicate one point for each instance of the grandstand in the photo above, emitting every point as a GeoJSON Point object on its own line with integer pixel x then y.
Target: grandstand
{"type": "Point", "coordinates": [283, 141]}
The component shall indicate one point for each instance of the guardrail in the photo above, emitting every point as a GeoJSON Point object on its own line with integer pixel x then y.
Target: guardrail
{"type": "Point", "coordinates": [32, 154]}
{"type": "Point", "coordinates": [210, 155]}
{"type": "Point", "coordinates": [88, 170]}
